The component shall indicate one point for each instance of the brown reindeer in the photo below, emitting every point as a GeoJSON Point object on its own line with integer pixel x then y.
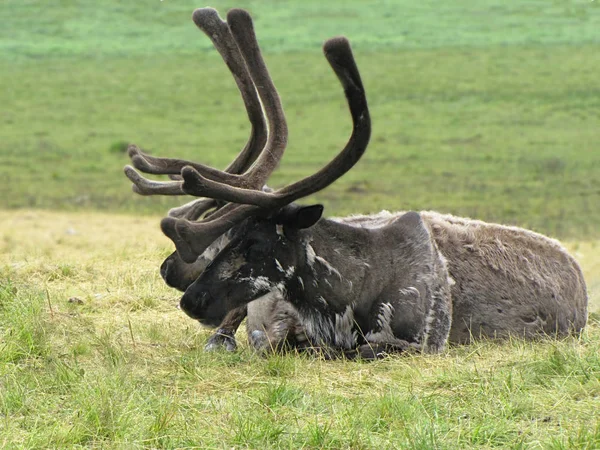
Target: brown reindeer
{"type": "Point", "coordinates": [374, 283]}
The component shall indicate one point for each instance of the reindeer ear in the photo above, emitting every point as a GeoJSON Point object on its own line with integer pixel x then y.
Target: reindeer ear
{"type": "Point", "coordinates": [300, 217]}
{"type": "Point", "coordinates": [307, 216]}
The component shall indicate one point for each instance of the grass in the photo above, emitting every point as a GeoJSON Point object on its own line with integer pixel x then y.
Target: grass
{"type": "Point", "coordinates": [124, 368]}
{"type": "Point", "coordinates": [495, 119]}
{"type": "Point", "coordinates": [481, 108]}
{"type": "Point", "coordinates": [83, 29]}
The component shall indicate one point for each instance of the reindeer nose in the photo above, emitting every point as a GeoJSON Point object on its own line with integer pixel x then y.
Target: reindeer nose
{"type": "Point", "coordinates": [195, 302]}
{"type": "Point", "coordinates": [165, 268]}
{"type": "Point", "coordinates": [188, 305]}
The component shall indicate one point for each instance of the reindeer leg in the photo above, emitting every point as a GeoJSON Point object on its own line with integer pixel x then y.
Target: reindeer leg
{"type": "Point", "coordinates": [273, 325]}
{"type": "Point", "coordinates": [224, 337]}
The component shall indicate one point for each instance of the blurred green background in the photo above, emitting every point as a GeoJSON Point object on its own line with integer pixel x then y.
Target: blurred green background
{"type": "Point", "coordinates": [483, 108]}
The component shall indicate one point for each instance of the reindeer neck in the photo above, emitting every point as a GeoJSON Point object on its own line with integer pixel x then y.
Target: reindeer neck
{"type": "Point", "coordinates": [332, 255]}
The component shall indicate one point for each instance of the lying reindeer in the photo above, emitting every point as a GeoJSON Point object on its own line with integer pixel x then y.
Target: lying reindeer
{"type": "Point", "coordinates": [374, 283]}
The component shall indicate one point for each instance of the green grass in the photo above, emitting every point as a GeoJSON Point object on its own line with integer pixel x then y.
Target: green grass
{"type": "Point", "coordinates": [124, 368]}
{"type": "Point", "coordinates": [87, 29]}
{"type": "Point", "coordinates": [484, 109]}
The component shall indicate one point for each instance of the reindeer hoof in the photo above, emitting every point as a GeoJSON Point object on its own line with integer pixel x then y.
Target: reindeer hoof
{"type": "Point", "coordinates": [258, 339]}
{"type": "Point", "coordinates": [221, 340]}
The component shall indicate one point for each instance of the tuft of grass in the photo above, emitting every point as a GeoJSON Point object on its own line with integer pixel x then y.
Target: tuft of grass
{"type": "Point", "coordinates": [281, 395]}
{"type": "Point", "coordinates": [23, 333]}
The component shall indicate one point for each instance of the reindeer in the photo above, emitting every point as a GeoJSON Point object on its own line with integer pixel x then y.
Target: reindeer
{"type": "Point", "coordinates": [370, 284]}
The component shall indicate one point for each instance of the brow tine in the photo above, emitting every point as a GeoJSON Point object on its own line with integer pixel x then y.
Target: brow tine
{"type": "Point", "coordinates": [144, 186]}
{"type": "Point", "coordinates": [192, 238]}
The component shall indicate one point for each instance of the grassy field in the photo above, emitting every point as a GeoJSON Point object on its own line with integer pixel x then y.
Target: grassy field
{"type": "Point", "coordinates": [486, 109]}
{"type": "Point", "coordinates": [124, 368]}
{"type": "Point", "coordinates": [483, 108]}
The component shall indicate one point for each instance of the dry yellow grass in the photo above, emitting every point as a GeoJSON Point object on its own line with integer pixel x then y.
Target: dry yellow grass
{"type": "Point", "coordinates": [89, 255]}
{"type": "Point", "coordinates": [109, 262]}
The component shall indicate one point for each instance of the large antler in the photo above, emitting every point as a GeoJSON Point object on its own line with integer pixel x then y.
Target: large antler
{"type": "Point", "coordinates": [192, 238]}
{"type": "Point", "coordinates": [254, 177]}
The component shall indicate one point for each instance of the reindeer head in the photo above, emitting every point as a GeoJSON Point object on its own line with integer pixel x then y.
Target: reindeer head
{"type": "Point", "coordinates": [263, 227]}
{"type": "Point", "coordinates": [261, 258]}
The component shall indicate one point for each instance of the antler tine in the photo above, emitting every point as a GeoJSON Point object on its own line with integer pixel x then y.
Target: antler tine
{"type": "Point", "coordinates": [144, 186]}
{"type": "Point", "coordinates": [192, 238]}
{"type": "Point", "coordinates": [339, 55]}
{"type": "Point", "coordinates": [208, 20]}
{"type": "Point", "coordinates": [191, 210]}
{"type": "Point", "coordinates": [194, 209]}
{"type": "Point", "coordinates": [242, 29]}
